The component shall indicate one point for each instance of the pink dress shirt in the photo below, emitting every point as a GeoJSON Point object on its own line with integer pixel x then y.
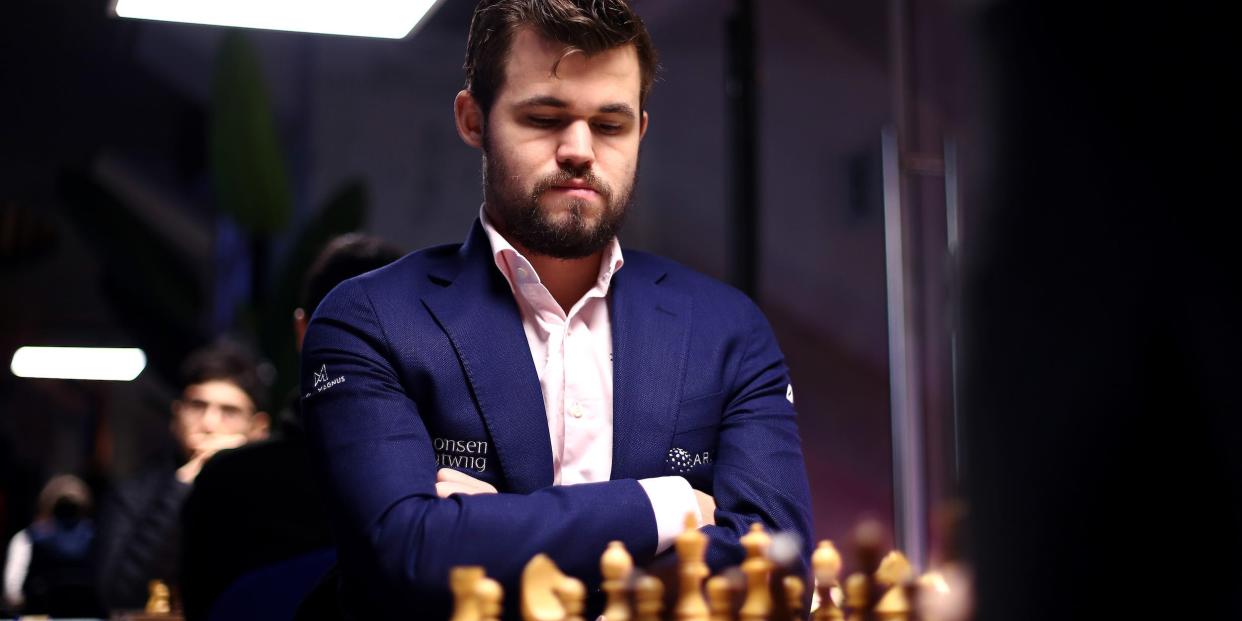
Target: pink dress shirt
{"type": "Point", "coordinates": [572, 353]}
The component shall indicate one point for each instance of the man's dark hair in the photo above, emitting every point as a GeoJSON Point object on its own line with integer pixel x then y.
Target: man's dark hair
{"type": "Point", "coordinates": [587, 26]}
{"type": "Point", "coordinates": [230, 362]}
{"type": "Point", "coordinates": [344, 257]}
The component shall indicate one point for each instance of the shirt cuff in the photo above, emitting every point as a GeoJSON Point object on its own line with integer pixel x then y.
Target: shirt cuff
{"type": "Point", "coordinates": [671, 499]}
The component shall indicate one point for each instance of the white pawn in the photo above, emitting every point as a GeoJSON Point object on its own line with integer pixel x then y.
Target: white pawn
{"type": "Point", "coordinates": [757, 568]}
{"type": "Point", "coordinates": [826, 563]}
{"type": "Point", "coordinates": [649, 598]}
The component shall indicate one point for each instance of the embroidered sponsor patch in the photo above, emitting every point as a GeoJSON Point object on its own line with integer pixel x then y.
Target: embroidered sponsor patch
{"type": "Point", "coordinates": [321, 381]}
{"type": "Point", "coordinates": [789, 393]}
{"type": "Point", "coordinates": [683, 461]}
{"type": "Point", "coordinates": [469, 454]}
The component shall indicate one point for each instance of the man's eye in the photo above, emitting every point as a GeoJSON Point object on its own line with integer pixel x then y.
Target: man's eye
{"type": "Point", "coordinates": [609, 128]}
{"type": "Point", "coordinates": [543, 121]}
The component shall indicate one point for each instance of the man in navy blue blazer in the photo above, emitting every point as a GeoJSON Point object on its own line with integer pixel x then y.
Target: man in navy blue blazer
{"type": "Point", "coordinates": [534, 389]}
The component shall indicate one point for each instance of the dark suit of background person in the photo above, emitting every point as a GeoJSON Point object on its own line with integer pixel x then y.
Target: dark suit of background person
{"type": "Point", "coordinates": [432, 347]}
{"type": "Point", "coordinates": [257, 505]}
{"type": "Point", "coordinates": [1103, 416]}
{"type": "Point", "coordinates": [139, 521]}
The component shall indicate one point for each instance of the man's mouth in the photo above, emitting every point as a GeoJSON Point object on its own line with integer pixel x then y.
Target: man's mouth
{"type": "Point", "coordinates": [573, 190]}
{"type": "Point", "coordinates": [584, 187]}
{"type": "Point", "coordinates": [579, 190]}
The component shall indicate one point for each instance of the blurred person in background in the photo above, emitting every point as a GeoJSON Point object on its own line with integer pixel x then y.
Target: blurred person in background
{"type": "Point", "coordinates": [221, 406]}
{"type": "Point", "coordinates": [49, 568]}
{"type": "Point", "coordinates": [257, 505]}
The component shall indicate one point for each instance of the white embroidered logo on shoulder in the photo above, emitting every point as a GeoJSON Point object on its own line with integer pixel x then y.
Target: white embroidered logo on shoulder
{"type": "Point", "coordinates": [789, 394]}
{"type": "Point", "coordinates": [321, 381]}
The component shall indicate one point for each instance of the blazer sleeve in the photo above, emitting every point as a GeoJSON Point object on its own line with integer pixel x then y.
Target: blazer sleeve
{"type": "Point", "coordinates": [759, 474]}
{"type": "Point", "coordinates": [375, 457]}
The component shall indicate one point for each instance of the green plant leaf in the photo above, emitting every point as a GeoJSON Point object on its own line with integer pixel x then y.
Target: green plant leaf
{"type": "Point", "coordinates": [244, 152]}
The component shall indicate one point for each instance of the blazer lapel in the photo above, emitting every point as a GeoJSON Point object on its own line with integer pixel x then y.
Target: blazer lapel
{"type": "Point", "coordinates": [477, 311]}
{"type": "Point", "coordinates": [650, 338]}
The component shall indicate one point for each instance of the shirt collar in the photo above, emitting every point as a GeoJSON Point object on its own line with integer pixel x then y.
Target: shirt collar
{"type": "Point", "coordinates": [509, 260]}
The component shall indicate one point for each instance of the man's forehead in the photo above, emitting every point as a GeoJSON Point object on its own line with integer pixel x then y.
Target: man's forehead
{"type": "Point", "coordinates": [539, 66]}
{"type": "Point", "coordinates": [219, 391]}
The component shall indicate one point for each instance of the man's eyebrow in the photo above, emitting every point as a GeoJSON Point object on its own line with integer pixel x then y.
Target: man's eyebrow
{"type": "Point", "coordinates": [623, 109]}
{"type": "Point", "coordinates": [542, 100]}
{"type": "Point", "coordinates": [552, 102]}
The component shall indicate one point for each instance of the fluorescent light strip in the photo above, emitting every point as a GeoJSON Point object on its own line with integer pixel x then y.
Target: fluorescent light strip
{"type": "Point", "coordinates": [388, 19]}
{"type": "Point", "coordinates": [84, 363]}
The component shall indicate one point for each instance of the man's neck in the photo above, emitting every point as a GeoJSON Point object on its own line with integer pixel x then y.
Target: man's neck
{"type": "Point", "coordinates": [566, 279]}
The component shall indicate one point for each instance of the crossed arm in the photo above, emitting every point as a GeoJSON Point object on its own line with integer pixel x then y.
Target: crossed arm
{"type": "Point", "coordinates": [450, 481]}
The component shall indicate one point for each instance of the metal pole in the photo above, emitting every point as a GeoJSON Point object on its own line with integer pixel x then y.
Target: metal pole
{"type": "Point", "coordinates": [952, 241]}
{"type": "Point", "coordinates": [909, 494]}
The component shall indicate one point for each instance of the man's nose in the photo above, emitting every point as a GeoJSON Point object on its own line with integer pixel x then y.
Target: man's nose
{"type": "Point", "coordinates": [211, 418]}
{"type": "Point", "coordinates": [575, 149]}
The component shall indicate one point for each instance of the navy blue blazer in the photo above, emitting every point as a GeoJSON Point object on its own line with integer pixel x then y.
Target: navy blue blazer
{"type": "Point", "coordinates": [424, 364]}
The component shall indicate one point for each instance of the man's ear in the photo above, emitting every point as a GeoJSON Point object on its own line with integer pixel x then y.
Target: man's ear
{"type": "Point", "coordinates": [642, 126]}
{"type": "Point", "coordinates": [469, 117]}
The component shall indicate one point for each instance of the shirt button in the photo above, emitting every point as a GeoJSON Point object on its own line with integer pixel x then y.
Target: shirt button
{"type": "Point", "coordinates": [576, 410]}
{"type": "Point", "coordinates": [521, 272]}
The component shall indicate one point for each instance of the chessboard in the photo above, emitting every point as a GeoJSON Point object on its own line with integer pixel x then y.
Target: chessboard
{"type": "Point", "coordinates": [762, 588]}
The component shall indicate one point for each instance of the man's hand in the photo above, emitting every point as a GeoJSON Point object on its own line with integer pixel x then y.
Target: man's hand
{"type": "Point", "coordinates": [707, 508]}
{"type": "Point", "coordinates": [202, 448]}
{"type": "Point", "coordinates": [449, 482]}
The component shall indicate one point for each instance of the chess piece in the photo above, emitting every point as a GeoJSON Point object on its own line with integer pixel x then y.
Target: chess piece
{"type": "Point", "coordinates": [860, 588]}
{"type": "Point", "coordinates": [692, 571]}
{"type": "Point", "coordinates": [793, 596]}
{"type": "Point", "coordinates": [540, 579]}
{"type": "Point", "coordinates": [933, 592]}
{"type": "Point", "coordinates": [720, 598]}
{"type": "Point", "coordinates": [488, 594]}
{"type": "Point", "coordinates": [649, 598]}
{"type": "Point", "coordinates": [784, 555]}
{"type": "Point", "coordinates": [462, 581]}
{"type": "Point", "coordinates": [158, 598]}
{"type": "Point", "coordinates": [758, 603]}
{"type": "Point", "coordinates": [894, 569]}
{"type": "Point", "coordinates": [857, 596]}
{"type": "Point", "coordinates": [572, 594]}
{"type": "Point", "coordinates": [826, 565]}
{"type": "Point", "coordinates": [894, 574]}
{"type": "Point", "coordinates": [945, 595]}
{"type": "Point", "coordinates": [616, 566]}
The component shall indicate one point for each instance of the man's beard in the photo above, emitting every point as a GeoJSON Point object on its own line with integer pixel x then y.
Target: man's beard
{"type": "Point", "coordinates": [524, 223]}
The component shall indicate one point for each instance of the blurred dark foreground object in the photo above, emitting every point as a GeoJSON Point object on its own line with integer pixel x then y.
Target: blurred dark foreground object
{"type": "Point", "coordinates": [1102, 314]}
